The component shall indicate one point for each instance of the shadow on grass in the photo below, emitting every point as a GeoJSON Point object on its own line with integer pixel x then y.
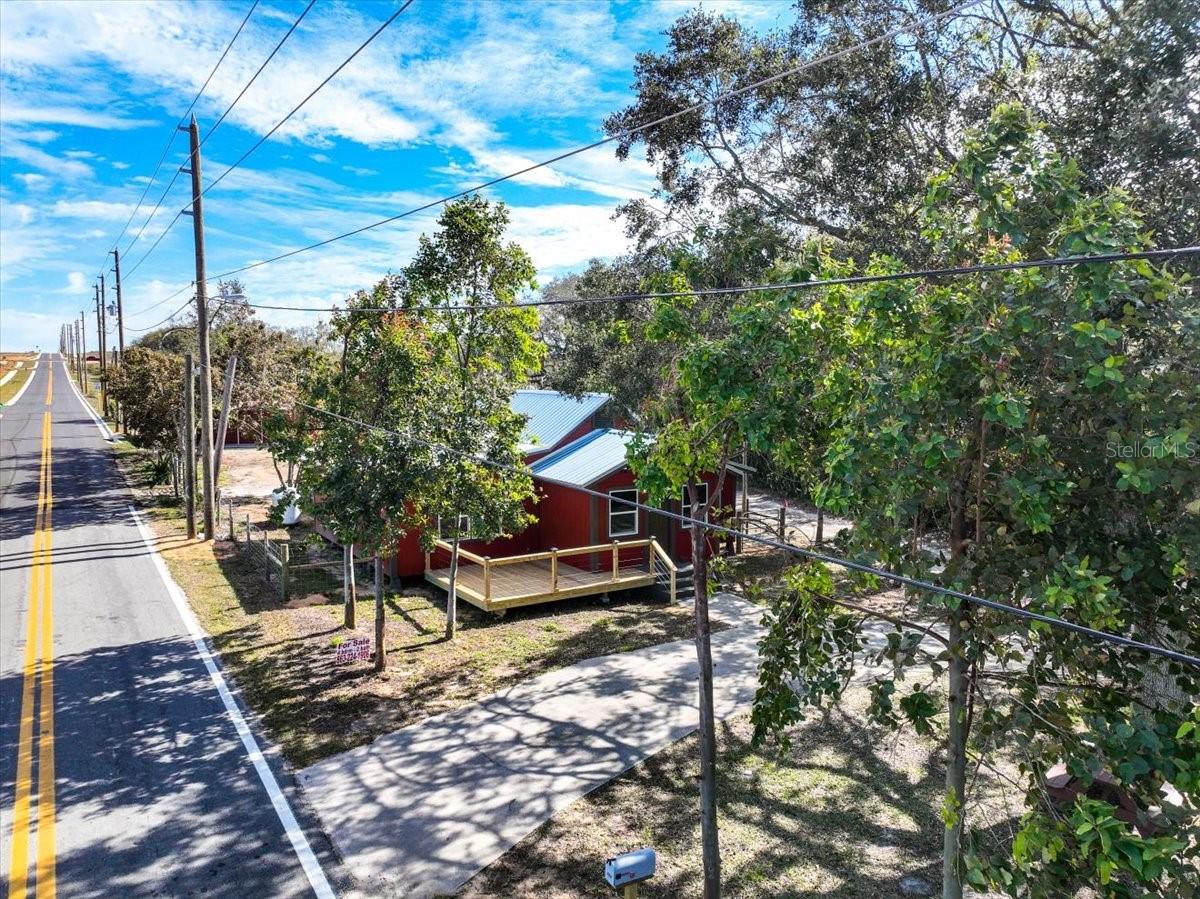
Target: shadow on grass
{"type": "Point", "coordinates": [283, 654]}
{"type": "Point", "coordinates": [837, 815]}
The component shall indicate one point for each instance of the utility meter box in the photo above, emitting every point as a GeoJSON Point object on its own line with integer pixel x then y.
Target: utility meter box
{"type": "Point", "coordinates": [630, 867]}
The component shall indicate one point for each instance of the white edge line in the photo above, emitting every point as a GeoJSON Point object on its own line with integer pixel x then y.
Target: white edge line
{"type": "Point", "coordinates": [25, 386]}
{"type": "Point", "coordinates": [100, 423]}
{"type": "Point", "coordinates": [291, 827]}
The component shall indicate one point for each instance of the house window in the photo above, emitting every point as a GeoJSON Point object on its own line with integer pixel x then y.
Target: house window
{"type": "Point", "coordinates": [622, 519]}
{"type": "Point", "coordinates": [446, 532]}
{"type": "Point", "coordinates": [701, 497]}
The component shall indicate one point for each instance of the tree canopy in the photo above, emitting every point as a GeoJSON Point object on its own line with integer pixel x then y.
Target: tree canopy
{"type": "Point", "coordinates": [1036, 428]}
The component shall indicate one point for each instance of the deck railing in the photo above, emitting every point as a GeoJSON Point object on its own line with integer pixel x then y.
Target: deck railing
{"type": "Point", "coordinates": [657, 561]}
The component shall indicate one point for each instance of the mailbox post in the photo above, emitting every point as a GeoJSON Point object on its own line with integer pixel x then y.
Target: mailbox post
{"type": "Point", "coordinates": [624, 872]}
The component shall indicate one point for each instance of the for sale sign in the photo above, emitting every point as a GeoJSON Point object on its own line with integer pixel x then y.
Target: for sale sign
{"type": "Point", "coordinates": [353, 650]}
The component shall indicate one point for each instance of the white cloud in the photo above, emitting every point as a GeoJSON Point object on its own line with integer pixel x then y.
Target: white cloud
{"type": "Point", "coordinates": [66, 115]}
{"type": "Point", "coordinates": [566, 235]}
{"type": "Point", "coordinates": [320, 157]}
{"type": "Point", "coordinates": [120, 166]}
{"type": "Point", "coordinates": [32, 180]}
{"type": "Point", "coordinates": [92, 210]}
{"type": "Point", "coordinates": [47, 162]}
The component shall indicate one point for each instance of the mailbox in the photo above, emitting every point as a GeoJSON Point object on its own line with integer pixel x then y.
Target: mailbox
{"type": "Point", "coordinates": [629, 868]}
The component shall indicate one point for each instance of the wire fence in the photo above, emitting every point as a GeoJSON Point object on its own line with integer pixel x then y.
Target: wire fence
{"type": "Point", "coordinates": [306, 569]}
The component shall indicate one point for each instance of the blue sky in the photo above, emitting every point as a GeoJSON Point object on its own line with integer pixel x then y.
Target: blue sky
{"type": "Point", "coordinates": [450, 95]}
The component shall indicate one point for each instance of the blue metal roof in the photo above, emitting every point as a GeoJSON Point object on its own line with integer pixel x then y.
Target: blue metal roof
{"type": "Point", "coordinates": [552, 415]}
{"type": "Point", "coordinates": [588, 459]}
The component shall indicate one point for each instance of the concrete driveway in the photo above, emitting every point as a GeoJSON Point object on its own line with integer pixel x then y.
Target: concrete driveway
{"type": "Point", "coordinates": [422, 810]}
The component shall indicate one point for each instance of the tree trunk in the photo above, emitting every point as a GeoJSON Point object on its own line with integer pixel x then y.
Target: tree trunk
{"type": "Point", "coordinates": [708, 735]}
{"type": "Point", "coordinates": [452, 593]}
{"type": "Point", "coordinates": [956, 736]}
{"type": "Point", "coordinates": [348, 586]}
{"type": "Point", "coordinates": [956, 764]}
{"type": "Point", "coordinates": [380, 652]}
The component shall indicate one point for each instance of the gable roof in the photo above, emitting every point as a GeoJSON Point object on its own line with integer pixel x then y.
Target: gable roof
{"type": "Point", "coordinates": [552, 415]}
{"type": "Point", "coordinates": [584, 461]}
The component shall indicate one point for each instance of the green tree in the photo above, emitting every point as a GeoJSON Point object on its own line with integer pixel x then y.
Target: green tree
{"type": "Point", "coordinates": [149, 386]}
{"type": "Point", "coordinates": [358, 431]}
{"type": "Point", "coordinates": [841, 149]}
{"type": "Point", "coordinates": [998, 413]}
{"type": "Point", "coordinates": [477, 357]}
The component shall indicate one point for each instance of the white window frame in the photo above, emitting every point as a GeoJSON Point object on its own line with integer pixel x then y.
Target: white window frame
{"type": "Point", "coordinates": [623, 510]}
{"type": "Point", "coordinates": [464, 528]}
{"type": "Point", "coordinates": [702, 489]}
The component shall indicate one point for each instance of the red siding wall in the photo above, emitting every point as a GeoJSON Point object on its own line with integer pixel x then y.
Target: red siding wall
{"type": "Point", "coordinates": [565, 519]}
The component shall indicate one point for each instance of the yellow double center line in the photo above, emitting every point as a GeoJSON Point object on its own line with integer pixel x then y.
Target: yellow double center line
{"type": "Point", "coordinates": [38, 669]}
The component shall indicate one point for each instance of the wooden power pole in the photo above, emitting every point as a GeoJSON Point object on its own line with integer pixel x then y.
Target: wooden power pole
{"type": "Point", "coordinates": [83, 380]}
{"type": "Point", "coordinates": [206, 418]}
{"type": "Point", "coordinates": [189, 443]}
{"type": "Point", "coordinates": [100, 343]}
{"type": "Point", "coordinates": [120, 310]}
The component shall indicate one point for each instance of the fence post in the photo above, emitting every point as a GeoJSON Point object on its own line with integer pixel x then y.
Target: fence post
{"type": "Point", "coordinates": [487, 578]}
{"type": "Point", "coordinates": [782, 524]}
{"type": "Point", "coordinates": [247, 528]}
{"type": "Point", "coordinates": [285, 554]}
{"type": "Point", "coordinates": [554, 569]}
{"type": "Point", "coordinates": [820, 526]}
{"type": "Point", "coordinates": [616, 558]}
{"type": "Point", "coordinates": [232, 536]}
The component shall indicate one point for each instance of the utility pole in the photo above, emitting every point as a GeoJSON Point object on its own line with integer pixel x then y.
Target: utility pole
{"type": "Point", "coordinates": [120, 311]}
{"type": "Point", "coordinates": [189, 443]}
{"type": "Point", "coordinates": [83, 380]}
{"type": "Point", "coordinates": [100, 343]}
{"type": "Point", "coordinates": [80, 356]}
{"type": "Point", "coordinates": [206, 422]}
{"type": "Point", "coordinates": [103, 300]}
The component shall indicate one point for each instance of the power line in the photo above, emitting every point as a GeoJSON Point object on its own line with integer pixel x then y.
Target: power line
{"type": "Point", "coordinates": [163, 301]}
{"type": "Point", "coordinates": [719, 98]}
{"type": "Point", "coordinates": [242, 93]}
{"type": "Point", "coordinates": [987, 268]}
{"type": "Point", "coordinates": [298, 106]}
{"type": "Point", "coordinates": [915, 583]}
{"type": "Point", "coordinates": [174, 132]}
{"type": "Point", "coordinates": [159, 324]}
{"type": "Point", "coordinates": [266, 136]}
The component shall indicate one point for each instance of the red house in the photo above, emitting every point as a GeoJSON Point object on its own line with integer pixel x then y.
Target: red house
{"type": "Point", "coordinates": [580, 543]}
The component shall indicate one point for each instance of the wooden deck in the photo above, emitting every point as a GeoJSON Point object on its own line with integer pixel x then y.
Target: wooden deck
{"type": "Point", "coordinates": [510, 581]}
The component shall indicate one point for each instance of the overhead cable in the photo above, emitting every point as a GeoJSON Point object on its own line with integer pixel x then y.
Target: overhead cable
{"type": "Point", "coordinates": [918, 274]}
{"type": "Point", "coordinates": [687, 110]}
{"type": "Point", "coordinates": [274, 128]}
{"type": "Point", "coordinates": [174, 131]}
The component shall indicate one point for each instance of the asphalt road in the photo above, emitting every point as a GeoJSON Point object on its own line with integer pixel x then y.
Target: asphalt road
{"type": "Point", "coordinates": [122, 771]}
